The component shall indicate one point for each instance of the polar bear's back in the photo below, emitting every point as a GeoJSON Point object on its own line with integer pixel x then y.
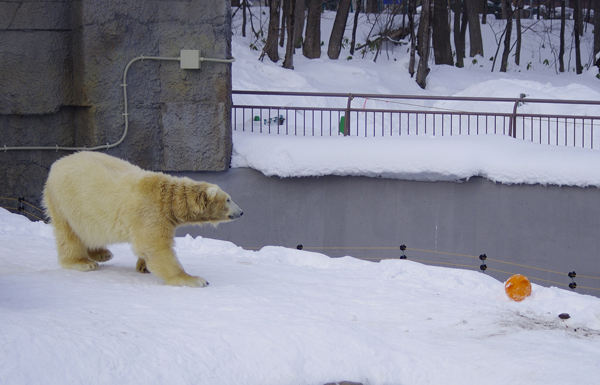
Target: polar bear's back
{"type": "Point", "coordinates": [94, 193]}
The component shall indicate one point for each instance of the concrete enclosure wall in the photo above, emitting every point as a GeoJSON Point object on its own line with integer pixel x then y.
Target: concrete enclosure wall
{"type": "Point", "coordinates": [545, 227]}
{"type": "Point", "coordinates": [61, 70]}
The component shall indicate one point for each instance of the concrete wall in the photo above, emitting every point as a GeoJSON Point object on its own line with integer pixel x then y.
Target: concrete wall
{"type": "Point", "coordinates": [547, 227]}
{"type": "Point", "coordinates": [61, 70]}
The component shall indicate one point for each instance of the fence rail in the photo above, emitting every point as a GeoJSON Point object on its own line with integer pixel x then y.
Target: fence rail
{"type": "Point", "coordinates": [369, 115]}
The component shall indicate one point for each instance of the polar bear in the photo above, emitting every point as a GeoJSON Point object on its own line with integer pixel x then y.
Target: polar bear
{"type": "Point", "coordinates": [95, 200]}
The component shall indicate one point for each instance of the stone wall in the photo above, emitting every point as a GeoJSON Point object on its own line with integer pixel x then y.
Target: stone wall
{"type": "Point", "coordinates": [61, 70]}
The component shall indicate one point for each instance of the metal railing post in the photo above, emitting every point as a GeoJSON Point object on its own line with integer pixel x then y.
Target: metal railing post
{"type": "Point", "coordinates": [512, 128]}
{"type": "Point", "coordinates": [347, 116]}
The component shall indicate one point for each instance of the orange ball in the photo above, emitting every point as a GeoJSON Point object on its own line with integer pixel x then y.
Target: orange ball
{"type": "Point", "coordinates": [517, 287]}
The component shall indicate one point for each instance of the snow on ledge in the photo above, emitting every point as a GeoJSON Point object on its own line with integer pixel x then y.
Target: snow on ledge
{"type": "Point", "coordinates": [419, 158]}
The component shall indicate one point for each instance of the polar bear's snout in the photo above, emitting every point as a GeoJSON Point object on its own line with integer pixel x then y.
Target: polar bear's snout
{"type": "Point", "coordinates": [234, 210]}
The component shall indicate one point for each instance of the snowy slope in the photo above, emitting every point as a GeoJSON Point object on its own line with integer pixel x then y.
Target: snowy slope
{"type": "Point", "coordinates": [279, 316]}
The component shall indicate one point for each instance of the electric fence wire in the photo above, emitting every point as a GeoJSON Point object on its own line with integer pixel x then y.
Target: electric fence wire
{"type": "Point", "coordinates": [301, 247]}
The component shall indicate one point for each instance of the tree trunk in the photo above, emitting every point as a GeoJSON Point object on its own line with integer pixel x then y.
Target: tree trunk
{"type": "Point", "coordinates": [371, 6]}
{"type": "Point", "coordinates": [413, 40]}
{"type": "Point", "coordinates": [459, 42]}
{"type": "Point", "coordinates": [475, 39]}
{"type": "Point", "coordinates": [561, 51]}
{"type": "Point", "coordinates": [285, 9]}
{"type": "Point", "coordinates": [270, 47]}
{"type": "Point", "coordinates": [424, 38]}
{"type": "Point", "coordinates": [442, 50]}
{"type": "Point", "coordinates": [579, 14]}
{"type": "Point", "coordinates": [356, 13]}
{"type": "Point", "coordinates": [298, 22]}
{"type": "Point", "coordinates": [312, 41]}
{"type": "Point", "coordinates": [288, 62]}
{"type": "Point", "coordinates": [244, 18]}
{"type": "Point", "coordinates": [485, 12]}
{"type": "Point", "coordinates": [519, 31]}
{"type": "Point", "coordinates": [337, 33]}
{"type": "Point", "coordinates": [596, 28]}
{"type": "Point", "coordinates": [464, 22]}
{"type": "Point", "coordinates": [576, 32]}
{"type": "Point", "coordinates": [506, 52]}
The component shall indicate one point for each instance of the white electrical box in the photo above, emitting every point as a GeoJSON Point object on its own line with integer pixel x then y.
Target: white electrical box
{"type": "Point", "coordinates": [190, 59]}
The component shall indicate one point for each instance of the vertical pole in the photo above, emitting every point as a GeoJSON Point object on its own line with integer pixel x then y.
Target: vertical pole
{"type": "Point", "coordinates": [347, 117]}
{"type": "Point", "coordinates": [512, 128]}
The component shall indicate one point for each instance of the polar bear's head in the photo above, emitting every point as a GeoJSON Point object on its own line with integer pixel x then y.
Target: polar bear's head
{"type": "Point", "coordinates": [194, 202]}
{"type": "Point", "coordinates": [210, 205]}
{"type": "Point", "coordinates": [221, 201]}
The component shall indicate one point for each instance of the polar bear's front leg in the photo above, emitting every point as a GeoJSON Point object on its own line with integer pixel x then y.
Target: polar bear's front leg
{"type": "Point", "coordinates": [161, 261]}
{"type": "Point", "coordinates": [140, 266]}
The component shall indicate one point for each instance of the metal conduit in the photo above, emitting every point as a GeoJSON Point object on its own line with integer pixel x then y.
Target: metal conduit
{"type": "Point", "coordinates": [125, 111]}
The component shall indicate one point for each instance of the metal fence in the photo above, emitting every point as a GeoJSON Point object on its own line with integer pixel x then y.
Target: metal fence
{"type": "Point", "coordinates": [575, 123]}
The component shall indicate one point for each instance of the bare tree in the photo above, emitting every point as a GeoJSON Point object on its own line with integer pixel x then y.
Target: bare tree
{"type": "Point", "coordinates": [459, 32]}
{"type": "Point", "coordinates": [561, 51]}
{"type": "Point", "coordinates": [312, 41]}
{"type": "Point", "coordinates": [371, 6]}
{"type": "Point", "coordinates": [424, 41]}
{"type": "Point", "coordinates": [337, 33]}
{"type": "Point", "coordinates": [442, 50]}
{"type": "Point", "coordinates": [475, 39]}
{"type": "Point", "coordinates": [299, 15]}
{"type": "Point", "coordinates": [578, 15]}
{"type": "Point", "coordinates": [285, 9]}
{"type": "Point", "coordinates": [576, 32]}
{"type": "Point", "coordinates": [288, 62]}
{"type": "Point", "coordinates": [356, 13]}
{"type": "Point", "coordinates": [596, 28]}
{"type": "Point", "coordinates": [507, 35]}
{"type": "Point", "coordinates": [413, 40]}
{"type": "Point", "coordinates": [518, 14]}
{"type": "Point", "coordinates": [270, 47]}
{"type": "Point", "coordinates": [485, 11]}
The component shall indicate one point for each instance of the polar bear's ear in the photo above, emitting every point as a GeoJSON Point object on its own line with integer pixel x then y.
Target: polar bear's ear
{"type": "Point", "coordinates": [212, 191]}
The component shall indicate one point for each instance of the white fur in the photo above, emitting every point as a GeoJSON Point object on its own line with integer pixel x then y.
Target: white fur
{"type": "Point", "coordinates": [95, 200]}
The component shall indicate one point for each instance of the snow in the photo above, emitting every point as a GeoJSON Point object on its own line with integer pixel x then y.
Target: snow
{"type": "Point", "coordinates": [423, 157]}
{"type": "Point", "coordinates": [276, 316]}
{"type": "Point", "coordinates": [284, 316]}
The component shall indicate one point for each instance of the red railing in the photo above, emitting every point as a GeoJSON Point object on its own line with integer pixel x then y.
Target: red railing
{"type": "Point", "coordinates": [328, 114]}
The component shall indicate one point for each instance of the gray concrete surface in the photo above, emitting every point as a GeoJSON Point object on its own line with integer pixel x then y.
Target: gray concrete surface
{"type": "Point", "coordinates": [61, 75]}
{"type": "Point", "coordinates": [545, 227]}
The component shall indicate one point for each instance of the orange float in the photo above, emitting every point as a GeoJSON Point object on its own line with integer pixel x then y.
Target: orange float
{"type": "Point", "coordinates": [517, 287]}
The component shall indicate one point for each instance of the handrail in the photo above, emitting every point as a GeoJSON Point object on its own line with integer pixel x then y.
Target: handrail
{"type": "Point", "coordinates": [566, 129]}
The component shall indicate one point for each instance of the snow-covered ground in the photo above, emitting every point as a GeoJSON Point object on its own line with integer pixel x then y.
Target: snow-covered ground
{"type": "Point", "coordinates": [495, 157]}
{"type": "Point", "coordinates": [283, 316]}
{"type": "Point", "coordinates": [279, 316]}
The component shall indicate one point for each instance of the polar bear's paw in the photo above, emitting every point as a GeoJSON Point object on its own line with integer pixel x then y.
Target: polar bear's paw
{"type": "Point", "coordinates": [100, 255]}
{"type": "Point", "coordinates": [186, 280]}
{"type": "Point", "coordinates": [81, 265]}
{"type": "Point", "coordinates": [140, 266]}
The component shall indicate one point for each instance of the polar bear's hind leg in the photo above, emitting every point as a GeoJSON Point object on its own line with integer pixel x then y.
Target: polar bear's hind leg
{"type": "Point", "coordinates": [72, 253]}
{"type": "Point", "coordinates": [100, 255]}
